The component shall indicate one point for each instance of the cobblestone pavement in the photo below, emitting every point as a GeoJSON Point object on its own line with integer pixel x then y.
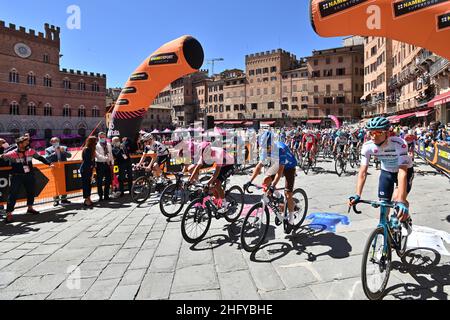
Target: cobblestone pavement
{"type": "Point", "coordinates": [121, 251]}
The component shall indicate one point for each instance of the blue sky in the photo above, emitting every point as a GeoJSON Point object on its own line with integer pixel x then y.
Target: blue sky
{"type": "Point", "coordinates": [116, 36]}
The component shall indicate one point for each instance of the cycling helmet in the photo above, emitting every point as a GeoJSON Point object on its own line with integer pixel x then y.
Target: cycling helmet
{"type": "Point", "coordinates": [378, 123]}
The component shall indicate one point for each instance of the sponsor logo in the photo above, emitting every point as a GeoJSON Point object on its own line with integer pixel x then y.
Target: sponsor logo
{"type": "Point", "coordinates": [444, 21]}
{"type": "Point", "coordinates": [404, 7]}
{"type": "Point", "coordinates": [376, 151]}
{"type": "Point", "coordinates": [165, 58]}
{"type": "Point", "coordinates": [330, 7]}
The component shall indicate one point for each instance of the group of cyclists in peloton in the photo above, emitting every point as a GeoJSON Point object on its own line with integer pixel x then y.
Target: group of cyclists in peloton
{"type": "Point", "coordinates": [279, 156]}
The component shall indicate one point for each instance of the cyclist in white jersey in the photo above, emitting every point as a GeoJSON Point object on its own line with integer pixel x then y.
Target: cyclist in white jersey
{"type": "Point", "coordinates": [162, 154]}
{"type": "Point", "coordinates": [341, 141]}
{"type": "Point", "coordinates": [396, 166]}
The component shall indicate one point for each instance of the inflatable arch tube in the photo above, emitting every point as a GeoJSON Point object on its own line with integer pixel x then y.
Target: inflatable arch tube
{"type": "Point", "coordinates": [172, 61]}
{"type": "Point", "coordinates": [424, 23]}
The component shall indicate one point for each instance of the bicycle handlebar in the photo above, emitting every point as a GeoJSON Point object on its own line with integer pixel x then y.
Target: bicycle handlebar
{"type": "Point", "coordinates": [375, 204]}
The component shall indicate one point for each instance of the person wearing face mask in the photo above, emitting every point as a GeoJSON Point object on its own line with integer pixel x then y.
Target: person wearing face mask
{"type": "Point", "coordinates": [123, 160]}
{"type": "Point", "coordinates": [104, 161]}
{"type": "Point", "coordinates": [57, 153]}
{"type": "Point", "coordinates": [22, 173]}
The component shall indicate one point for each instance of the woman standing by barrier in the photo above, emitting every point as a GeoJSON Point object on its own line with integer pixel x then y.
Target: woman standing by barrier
{"type": "Point", "coordinates": [87, 168]}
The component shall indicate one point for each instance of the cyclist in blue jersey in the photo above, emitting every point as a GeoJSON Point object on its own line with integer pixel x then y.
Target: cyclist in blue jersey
{"type": "Point", "coordinates": [279, 161]}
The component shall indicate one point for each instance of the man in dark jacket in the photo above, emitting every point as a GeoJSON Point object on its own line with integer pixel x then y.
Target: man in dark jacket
{"type": "Point", "coordinates": [122, 159]}
{"type": "Point", "coordinates": [22, 173]}
{"type": "Point", "coordinates": [57, 153]}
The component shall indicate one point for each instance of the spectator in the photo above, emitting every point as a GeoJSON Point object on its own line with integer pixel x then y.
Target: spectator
{"type": "Point", "coordinates": [123, 160]}
{"type": "Point", "coordinates": [57, 153]}
{"type": "Point", "coordinates": [22, 174]}
{"type": "Point", "coordinates": [87, 168]}
{"type": "Point", "coordinates": [104, 161]}
{"type": "Point", "coordinates": [3, 147]}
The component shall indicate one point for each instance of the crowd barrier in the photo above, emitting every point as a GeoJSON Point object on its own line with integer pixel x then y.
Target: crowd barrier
{"type": "Point", "coordinates": [436, 155]}
{"type": "Point", "coordinates": [65, 178]}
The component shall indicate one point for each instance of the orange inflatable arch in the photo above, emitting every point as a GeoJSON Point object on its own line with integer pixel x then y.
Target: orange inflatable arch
{"type": "Point", "coordinates": [172, 61]}
{"type": "Point", "coordinates": [424, 23]}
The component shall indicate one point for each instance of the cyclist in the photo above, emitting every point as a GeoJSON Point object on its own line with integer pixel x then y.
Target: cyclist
{"type": "Point", "coordinates": [309, 144]}
{"type": "Point", "coordinates": [411, 139]}
{"type": "Point", "coordinates": [162, 154]}
{"type": "Point", "coordinates": [224, 169]}
{"type": "Point", "coordinates": [279, 161]}
{"type": "Point", "coordinates": [341, 141]}
{"type": "Point", "coordinates": [396, 166]}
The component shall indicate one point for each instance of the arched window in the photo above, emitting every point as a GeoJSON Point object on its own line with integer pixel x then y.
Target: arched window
{"type": "Point", "coordinates": [82, 112]}
{"type": "Point", "coordinates": [66, 84]}
{"type": "Point", "coordinates": [66, 111]}
{"type": "Point", "coordinates": [82, 132]}
{"type": "Point", "coordinates": [95, 87]}
{"type": "Point", "coordinates": [31, 109]}
{"type": "Point", "coordinates": [48, 110]}
{"type": "Point", "coordinates": [14, 108]}
{"type": "Point", "coordinates": [31, 79]}
{"type": "Point", "coordinates": [14, 76]}
{"type": "Point", "coordinates": [81, 85]}
{"type": "Point", "coordinates": [47, 81]}
{"type": "Point", "coordinates": [67, 132]}
{"type": "Point", "coordinates": [95, 112]}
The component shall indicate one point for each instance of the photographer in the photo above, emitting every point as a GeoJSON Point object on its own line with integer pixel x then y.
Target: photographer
{"type": "Point", "coordinates": [123, 160]}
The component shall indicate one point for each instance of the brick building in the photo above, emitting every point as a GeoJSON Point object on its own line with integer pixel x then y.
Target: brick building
{"type": "Point", "coordinates": [264, 74]}
{"type": "Point", "coordinates": [408, 84]}
{"type": "Point", "coordinates": [377, 73]}
{"type": "Point", "coordinates": [36, 96]}
{"type": "Point", "coordinates": [335, 83]}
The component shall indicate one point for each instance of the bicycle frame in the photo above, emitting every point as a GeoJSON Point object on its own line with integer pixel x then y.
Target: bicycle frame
{"type": "Point", "coordinates": [383, 223]}
{"type": "Point", "coordinates": [266, 202]}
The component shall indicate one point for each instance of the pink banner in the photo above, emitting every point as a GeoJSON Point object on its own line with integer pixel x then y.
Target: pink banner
{"type": "Point", "coordinates": [336, 121]}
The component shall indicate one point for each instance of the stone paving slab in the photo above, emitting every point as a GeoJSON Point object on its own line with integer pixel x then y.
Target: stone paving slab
{"type": "Point", "coordinates": [133, 252]}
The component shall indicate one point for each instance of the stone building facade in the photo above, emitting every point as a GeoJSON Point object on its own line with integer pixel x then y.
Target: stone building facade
{"type": "Point", "coordinates": [38, 97]}
{"type": "Point", "coordinates": [335, 83]}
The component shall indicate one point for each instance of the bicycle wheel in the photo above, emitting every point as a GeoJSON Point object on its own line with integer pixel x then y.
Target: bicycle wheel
{"type": "Point", "coordinates": [255, 227]}
{"type": "Point", "coordinates": [351, 160]}
{"type": "Point", "coordinates": [141, 189]}
{"type": "Point", "coordinates": [376, 265]}
{"type": "Point", "coordinates": [235, 199]}
{"type": "Point", "coordinates": [338, 166]}
{"type": "Point", "coordinates": [344, 165]}
{"type": "Point", "coordinates": [172, 200]}
{"type": "Point", "coordinates": [195, 222]}
{"type": "Point", "coordinates": [301, 207]}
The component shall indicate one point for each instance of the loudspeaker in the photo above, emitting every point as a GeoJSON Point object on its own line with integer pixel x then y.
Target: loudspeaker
{"type": "Point", "coordinates": [257, 125]}
{"type": "Point", "coordinates": [209, 123]}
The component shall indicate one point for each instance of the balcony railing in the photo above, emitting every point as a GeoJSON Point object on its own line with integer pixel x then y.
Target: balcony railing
{"type": "Point", "coordinates": [438, 66]}
{"type": "Point", "coordinates": [425, 57]}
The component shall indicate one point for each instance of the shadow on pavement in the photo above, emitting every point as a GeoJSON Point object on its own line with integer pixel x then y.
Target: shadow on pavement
{"type": "Point", "coordinates": [23, 223]}
{"type": "Point", "coordinates": [218, 240]}
{"type": "Point", "coordinates": [305, 238]}
{"type": "Point", "coordinates": [422, 264]}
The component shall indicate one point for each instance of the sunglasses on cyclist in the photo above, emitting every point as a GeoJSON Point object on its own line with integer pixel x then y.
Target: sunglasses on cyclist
{"type": "Point", "coordinates": [376, 133]}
